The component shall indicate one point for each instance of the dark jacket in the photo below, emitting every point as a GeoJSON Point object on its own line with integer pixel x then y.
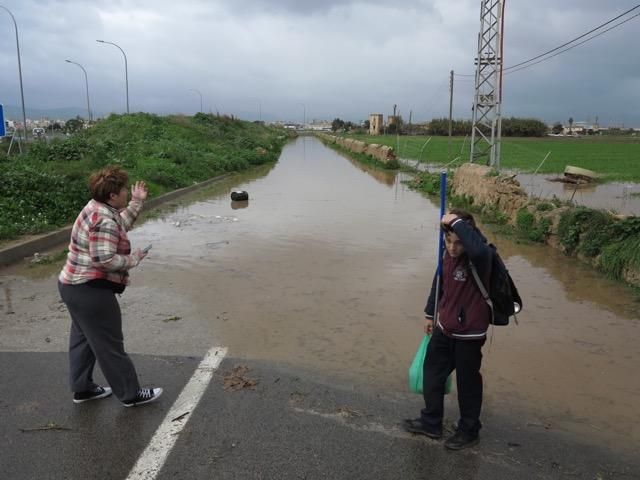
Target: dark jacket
{"type": "Point", "coordinates": [463, 313]}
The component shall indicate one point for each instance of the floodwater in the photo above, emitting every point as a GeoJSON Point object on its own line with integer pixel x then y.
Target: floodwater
{"type": "Point", "coordinates": [617, 197]}
{"type": "Point", "coordinates": [327, 267]}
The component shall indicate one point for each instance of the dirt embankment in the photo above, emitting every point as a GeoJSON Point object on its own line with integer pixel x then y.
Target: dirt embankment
{"type": "Point", "coordinates": [502, 197]}
{"type": "Point", "coordinates": [383, 153]}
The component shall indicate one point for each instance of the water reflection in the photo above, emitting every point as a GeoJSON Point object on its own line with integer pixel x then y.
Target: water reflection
{"type": "Point", "coordinates": [236, 205]}
{"type": "Point", "coordinates": [386, 177]}
{"type": "Point", "coordinates": [580, 282]}
{"type": "Point", "coordinates": [620, 197]}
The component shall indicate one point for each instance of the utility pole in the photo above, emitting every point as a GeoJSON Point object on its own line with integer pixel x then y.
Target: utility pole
{"type": "Point", "coordinates": [410, 115]}
{"type": "Point", "coordinates": [450, 112]}
{"type": "Point", "coordinates": [486, 131]}
{"type": "Point", "coordinates": [24, 112]}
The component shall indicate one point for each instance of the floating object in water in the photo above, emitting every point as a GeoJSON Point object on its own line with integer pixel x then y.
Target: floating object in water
{"type": "Point", "coordinates": [239, 196]}
{"type": "Point", "coordinates": [579, 175]}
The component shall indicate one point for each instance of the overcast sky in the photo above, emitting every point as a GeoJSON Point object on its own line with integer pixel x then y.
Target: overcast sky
{"type": "Point", "coordinates": [325, 59]}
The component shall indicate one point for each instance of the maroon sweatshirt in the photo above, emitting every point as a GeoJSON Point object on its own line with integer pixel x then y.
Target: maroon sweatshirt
{"type": "Point", "coordinates": [462, 312]}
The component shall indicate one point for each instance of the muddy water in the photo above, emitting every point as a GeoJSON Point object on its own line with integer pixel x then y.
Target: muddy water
{"type": "Point", "coordinates": [327, 267]}
{"type": "Point", "coordinates": [619, 197]}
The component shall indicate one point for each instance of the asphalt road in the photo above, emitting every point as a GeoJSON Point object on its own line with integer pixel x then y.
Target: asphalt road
{"type": "Point", "coordinates": [291, 425]}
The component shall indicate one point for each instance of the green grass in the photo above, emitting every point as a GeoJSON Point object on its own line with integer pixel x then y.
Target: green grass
{"type": "Point", "coordinates": [616, 158]}
{"type": "Point", "coordinates": [46, 187]}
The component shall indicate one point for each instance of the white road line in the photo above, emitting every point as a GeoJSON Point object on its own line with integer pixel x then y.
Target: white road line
{"type": "Point", "coordinates": [152, 459]}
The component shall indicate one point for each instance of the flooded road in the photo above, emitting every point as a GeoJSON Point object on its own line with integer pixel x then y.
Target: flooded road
{"type": "Point", "coordinates": [327, 268]}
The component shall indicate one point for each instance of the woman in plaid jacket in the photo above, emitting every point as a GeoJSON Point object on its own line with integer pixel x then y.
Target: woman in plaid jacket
{"type": "Point", "coordinates": [97, 268]}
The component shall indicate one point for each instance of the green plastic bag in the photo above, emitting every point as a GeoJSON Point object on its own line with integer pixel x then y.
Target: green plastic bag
{"type": "Point", "coordinates": [416, 368]}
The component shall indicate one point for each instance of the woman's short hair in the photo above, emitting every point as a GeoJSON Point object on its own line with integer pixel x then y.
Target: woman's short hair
{"type": "Point", "coordinates": [107, 181]}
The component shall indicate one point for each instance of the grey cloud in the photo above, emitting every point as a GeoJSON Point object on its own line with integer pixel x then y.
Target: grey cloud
{"type": "Point", "coordinates": [338, 58]}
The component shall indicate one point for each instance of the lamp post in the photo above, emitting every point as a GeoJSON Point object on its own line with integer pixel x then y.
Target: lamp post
{"type": "Point", "coordinates": [86, 82]}
{"type": "Point", "coordinates": [24, 112]}
{"type": "Point", "coordinates": [126, 68]}
{"type": "Point", "coordinates": [304, 114]}
{"type": "Point", "coordinates": [259, 105]}
{"type": "Point", "coordinates": [198, 92]}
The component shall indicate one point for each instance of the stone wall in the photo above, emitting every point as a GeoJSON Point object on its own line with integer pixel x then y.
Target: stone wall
{"type": "Point", "coordinates": [382, 153]}
{"type": "Point", "coordinates": [488, 190]}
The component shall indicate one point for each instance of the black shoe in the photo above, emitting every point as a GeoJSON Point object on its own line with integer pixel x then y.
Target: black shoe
{"type": "Point", "coordinates": [145, 395]}
{"type": "Point", "coordinates": [416, 426]}
{"type": "Point", "coordinates": [462, 440]}
{"type": "Point", "coordinates": [95, 394]}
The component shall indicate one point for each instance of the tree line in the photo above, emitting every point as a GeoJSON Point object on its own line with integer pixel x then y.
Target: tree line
{"type": "Point", "coordinates": [511, 127]}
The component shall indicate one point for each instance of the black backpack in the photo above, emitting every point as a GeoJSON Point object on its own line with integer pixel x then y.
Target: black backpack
{"type": "Point", "coordinates": [503, 297]}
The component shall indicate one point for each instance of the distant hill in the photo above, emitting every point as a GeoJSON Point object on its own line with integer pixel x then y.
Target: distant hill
{"type": "Point", "coordinates": [12, 112]}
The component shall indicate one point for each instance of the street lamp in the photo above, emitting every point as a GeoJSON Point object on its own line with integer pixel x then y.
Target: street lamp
{"type": "Point", "coordinates": [198, 92]}
{"type": "Point", "coordinates": [259, 105]}
{"type": "Point", "coordinates": [126, 69]}
{"type": "Point", "coordinates": [304, 114]}
{"type": "Point", "coordinates": [86, 82]}
{"type": "Point", "coordinates": [24, 112]}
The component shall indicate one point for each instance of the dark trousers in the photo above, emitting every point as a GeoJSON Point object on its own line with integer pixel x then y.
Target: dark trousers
{"type": "Point", "coordinates": [445, 354]}
{"type": "Point", "coordinates": [96, 333]}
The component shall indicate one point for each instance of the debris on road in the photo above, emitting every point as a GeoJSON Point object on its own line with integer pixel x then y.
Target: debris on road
{"type": "Point", "coordinates": [48, 426]}
{"type": "Point", "coordinates": [236, 379]}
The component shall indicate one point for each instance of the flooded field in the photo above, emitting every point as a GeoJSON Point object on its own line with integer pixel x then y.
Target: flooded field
{"type": "Point", "coordinates": [327, 267]}
{"type": "Point", "coordinates": [616, 197]}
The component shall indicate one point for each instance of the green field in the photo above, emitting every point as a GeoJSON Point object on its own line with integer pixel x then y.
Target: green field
{"type": "Point", "coordinates": [616, 158]}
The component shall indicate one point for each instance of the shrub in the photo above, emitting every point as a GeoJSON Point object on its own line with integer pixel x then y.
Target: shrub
{"type": "Point", "coordinates": [528, 227]}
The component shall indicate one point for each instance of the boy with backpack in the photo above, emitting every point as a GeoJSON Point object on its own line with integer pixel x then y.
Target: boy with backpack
{"type": "Point", "coordinates": [461, 322]}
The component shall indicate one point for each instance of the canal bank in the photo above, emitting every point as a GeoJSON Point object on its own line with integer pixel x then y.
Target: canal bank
{"type": "Point", "coordinates": [324, 274]}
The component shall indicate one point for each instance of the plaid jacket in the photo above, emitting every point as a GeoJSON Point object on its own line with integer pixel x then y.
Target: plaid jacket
{"type": "Point", "coordinates": [99, 247]}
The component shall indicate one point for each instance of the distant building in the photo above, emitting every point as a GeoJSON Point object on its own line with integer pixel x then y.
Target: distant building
{"type": "Point", "coordinates": [393, 119]}
{"type": "Point", "coordinates": [580, 128]}
{"type": "Point", "coordinates": [375, 123]}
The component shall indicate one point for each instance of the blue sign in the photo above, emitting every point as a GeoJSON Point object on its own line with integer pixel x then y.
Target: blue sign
{"type": "Point", "coordinates": [2, 124]}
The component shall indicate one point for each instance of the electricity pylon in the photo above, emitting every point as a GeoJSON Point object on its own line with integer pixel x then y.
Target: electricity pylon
{"type": "Point", "coordinates": [487, 122]}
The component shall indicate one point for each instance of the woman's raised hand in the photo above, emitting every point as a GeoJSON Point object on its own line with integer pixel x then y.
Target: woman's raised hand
{"type": "Point", "coordinates": [139, 191]}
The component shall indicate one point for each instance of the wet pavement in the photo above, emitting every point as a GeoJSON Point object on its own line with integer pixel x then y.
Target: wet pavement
{"type": "Point", "coordinates": [322, 276]}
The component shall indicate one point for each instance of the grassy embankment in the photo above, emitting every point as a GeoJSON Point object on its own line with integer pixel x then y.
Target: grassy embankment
{"type": "Point", "coordinates": [610, 243]}
{"type": "Point", "coordinates": [46, 187]}
{"type": "Point", "coordinates": [616, 158]}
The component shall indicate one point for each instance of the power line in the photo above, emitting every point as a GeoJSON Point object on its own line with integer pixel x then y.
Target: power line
{"type": "Point", "coordinates": [572, 46]}
{"type": "Point", "coordinates": [577, 38]}
{"type": "Point", "coordinates": [567, 43]}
